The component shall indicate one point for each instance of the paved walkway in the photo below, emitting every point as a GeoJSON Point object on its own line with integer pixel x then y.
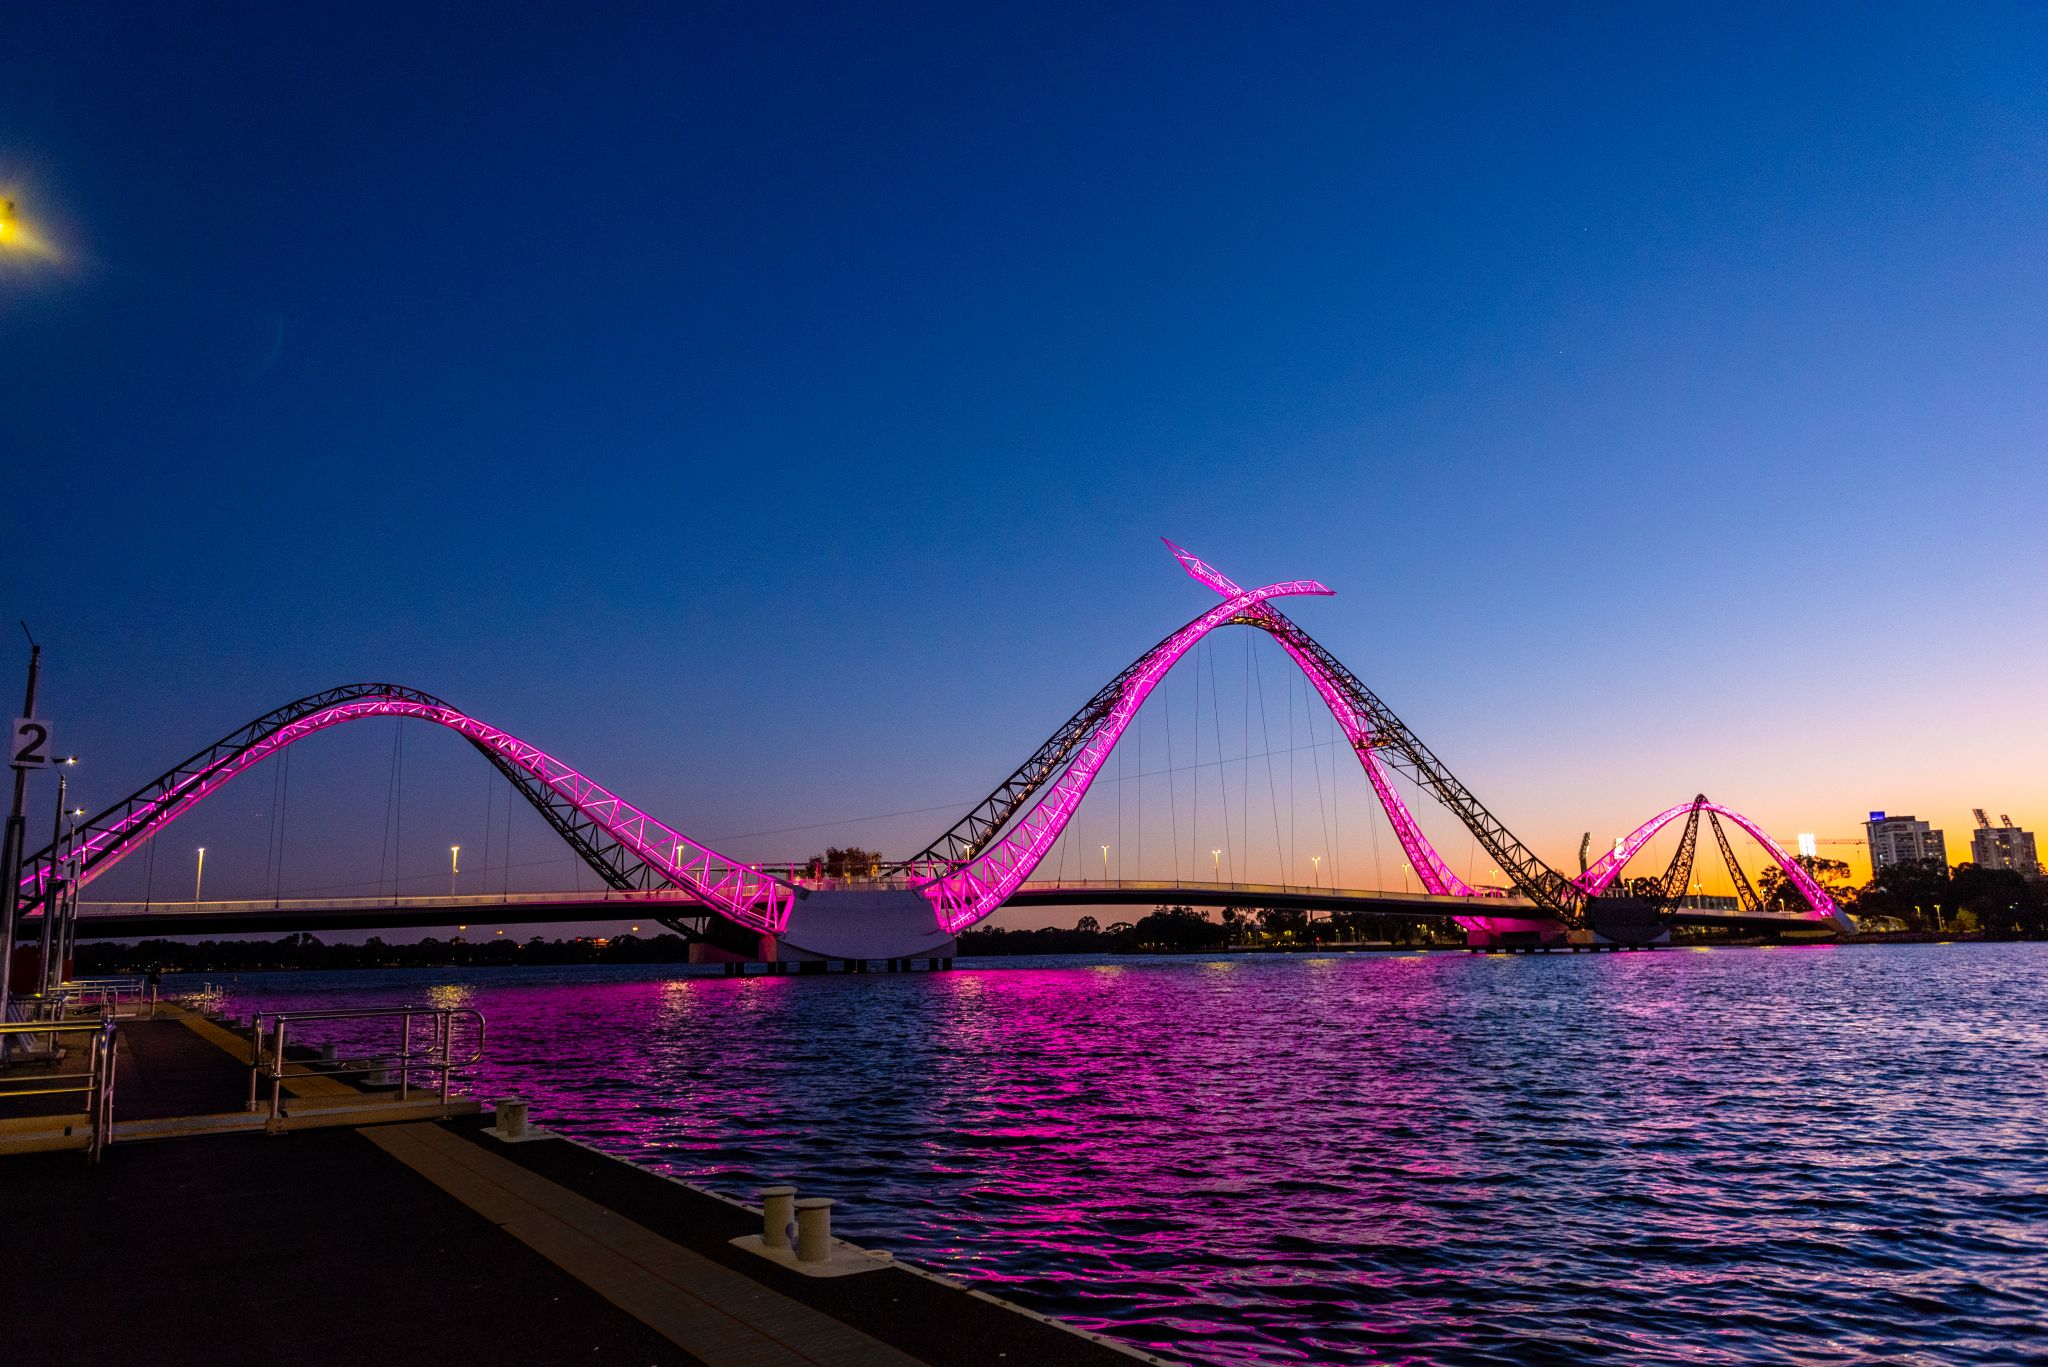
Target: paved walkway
{"type": "Point", "coordinates": [713, 1312]}
{"type": "Point", "coordinates": [313, 1249]}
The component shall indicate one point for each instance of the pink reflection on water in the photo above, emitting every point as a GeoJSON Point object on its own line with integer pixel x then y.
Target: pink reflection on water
{"type": "Point", "coordinates": [1736, 1156]}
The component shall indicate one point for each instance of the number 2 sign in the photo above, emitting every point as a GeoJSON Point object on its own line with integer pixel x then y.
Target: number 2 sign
{"type": "Point", "coordinates": [28, 744]}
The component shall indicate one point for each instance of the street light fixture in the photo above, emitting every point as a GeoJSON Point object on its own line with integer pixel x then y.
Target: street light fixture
{"type": "Point", "coordinates": [1105, 863]}
{"type": "Point", "coordinates": [17, 237]}
{"type": "Point", "coordinates": [1216, 864]}
{"type": "Point", "coordinates": [1317, 860]}
{"type": "Point", "coordinates": [199, 878]}
{"type": "Point", "coordinates": [453, 852]}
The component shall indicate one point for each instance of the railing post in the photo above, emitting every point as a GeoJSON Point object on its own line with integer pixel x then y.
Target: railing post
{"type": "Point", "coordinates": [405, 1055]}
{"type": "Point", "coordinates": [101, 1080]}
{"type": "Point", "coordinates": [277, 1071]}
{"type": "Point", "coordinates": [447, 1029]}
{"type": "Point", "coordinates": [255, 1056]}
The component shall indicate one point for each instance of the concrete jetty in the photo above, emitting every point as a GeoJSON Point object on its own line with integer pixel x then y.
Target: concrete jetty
{"type": "Point", "coordinates": [354, 1226]}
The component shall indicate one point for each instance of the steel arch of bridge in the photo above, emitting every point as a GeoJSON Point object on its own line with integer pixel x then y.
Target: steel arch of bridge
{"type": "Point", "coordinates": [1602, 874]}
{"type": "Point", "coordinates": [628, 848]}
{"type": "Point", "coordinates": [976, 870]}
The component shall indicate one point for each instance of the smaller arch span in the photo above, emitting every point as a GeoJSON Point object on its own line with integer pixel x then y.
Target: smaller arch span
{"type": "Point", "coordinates": [740, 892]}
{"type": "Point", "coordinates": [1598, 878]}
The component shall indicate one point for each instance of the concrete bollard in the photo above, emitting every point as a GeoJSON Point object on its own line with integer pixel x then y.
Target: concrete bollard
{"type": "Point", "coordinates": [814, 1229]}
{"type": "Point", "coordinates": [511, 1117]}
{"type": "Point", "coordinates": [778, 1212]}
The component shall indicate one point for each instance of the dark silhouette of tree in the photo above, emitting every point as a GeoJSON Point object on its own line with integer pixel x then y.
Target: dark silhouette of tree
{"type": "Point", "coordinates": [851, 862]}
{"type": "Point", "coordinates": [2003, 902]}
{"type": "Point", "coordinates": [1918, 892]}
{"type": "Point", "coordinates": [1181, 928]}
{"type": "Point", "coordinates": [1832, 874]}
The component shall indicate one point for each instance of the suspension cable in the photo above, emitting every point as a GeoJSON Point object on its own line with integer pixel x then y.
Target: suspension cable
{"type": "Point", "coordinates": [1222, 765]}
{"type": "Point", "coordinates": [490, 791]}
{"type": "Point", "coordinates": [398, 835]}
{"type": "Point", "coordinates": [505, 879]}
{"type": "Point", "coordinates": [1315, 754]}
{"type": "Point", "coordinates": [1172, 791]}
{"type": "Point", "coordinates": [283, 825]}
{"type": "Point", "coordinates": [1293, 801]}
{"type": "Point", "coordinates": [390, 789]}
{"type": "Point", "coordinates": [1244, 789]}
{"type": "Point", "coordinates": [1272, 794]}
{"type": "Point", "coordinates": [270, 829]}
{"type": "Point", "coordinates": [1195, 817]}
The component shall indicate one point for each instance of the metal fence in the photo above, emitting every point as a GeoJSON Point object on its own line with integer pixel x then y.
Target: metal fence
{"type": "Point", "coordinates": [453, 1039]}
{"type": "Point", "coordinates": [41, 1058]}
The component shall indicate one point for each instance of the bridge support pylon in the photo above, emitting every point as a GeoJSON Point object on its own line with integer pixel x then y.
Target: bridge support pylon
{"type": "Point", "coordinates": [1515, 932]}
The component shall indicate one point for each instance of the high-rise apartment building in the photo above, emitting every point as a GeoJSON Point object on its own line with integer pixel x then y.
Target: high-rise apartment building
{"type": "Point", "coordinates": [2003, 846]}
{"type": "Point", "coordinates": [1897, 839]}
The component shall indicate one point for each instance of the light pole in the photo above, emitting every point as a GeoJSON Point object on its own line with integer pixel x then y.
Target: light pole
{"type": "Point", "coordinates": [453, 851]}
{"type": "Point", "coordinates": [1405, 870]}
{"type": "Point", "coordinates": [53, 885]}
{"type": "Point", "coordinates": [62, 908]}
{"type": "Point", "coordinates": [1216, 865]}
{"type": "Point", "coordinates": [199, 878]}
{"type": "Point", "coordinates": [1317, 860]}
{"type": "Point", "coordinates": [67, 924]}
{"type": "Point", "coordinates": [1105, 863]}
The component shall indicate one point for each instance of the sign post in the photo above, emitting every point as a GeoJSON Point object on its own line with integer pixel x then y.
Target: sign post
{"type": "Point", "coordinates": [28, 746]}
{"type": "Point", "coordinates": [17, 828]}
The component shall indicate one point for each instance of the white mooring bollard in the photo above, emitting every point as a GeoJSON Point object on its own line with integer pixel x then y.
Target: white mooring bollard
{"type": "Point", "coordinates": [814, 1229]}
{"type": "Point", "coordinates": [778, 1212]}
{"type": "Point", "coordinates": [511, 1117]}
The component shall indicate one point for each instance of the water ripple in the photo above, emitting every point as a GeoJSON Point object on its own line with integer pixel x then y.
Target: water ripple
{"type": "Point", "coordinates": [1823, 1156]}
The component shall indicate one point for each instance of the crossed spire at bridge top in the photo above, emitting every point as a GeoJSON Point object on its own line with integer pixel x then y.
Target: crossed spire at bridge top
{"type": "Point", "coordinates": [1203, 572]}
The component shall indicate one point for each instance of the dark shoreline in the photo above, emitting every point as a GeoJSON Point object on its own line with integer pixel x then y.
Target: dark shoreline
{"type": "Point", "coordinates": [266, 957]}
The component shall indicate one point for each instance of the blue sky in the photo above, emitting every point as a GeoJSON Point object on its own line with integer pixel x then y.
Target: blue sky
{"type": "Point", "coordinates": [772, 409]}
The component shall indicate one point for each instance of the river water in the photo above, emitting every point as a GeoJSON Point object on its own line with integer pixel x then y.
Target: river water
{"type": "Point", "coordinates": [1729, 1156]}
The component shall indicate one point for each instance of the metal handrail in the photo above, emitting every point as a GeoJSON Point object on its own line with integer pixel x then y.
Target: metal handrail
{"type": "Point", "coordinates": [269, 1059]}
{"type": "Point", "coordinates": [107, 995]}
{"type": "Point", "coordinates": [96, 1081]}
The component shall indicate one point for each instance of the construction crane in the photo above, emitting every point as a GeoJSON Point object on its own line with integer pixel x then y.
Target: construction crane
{"type": "Point", "coordinates": [1983, 821]}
